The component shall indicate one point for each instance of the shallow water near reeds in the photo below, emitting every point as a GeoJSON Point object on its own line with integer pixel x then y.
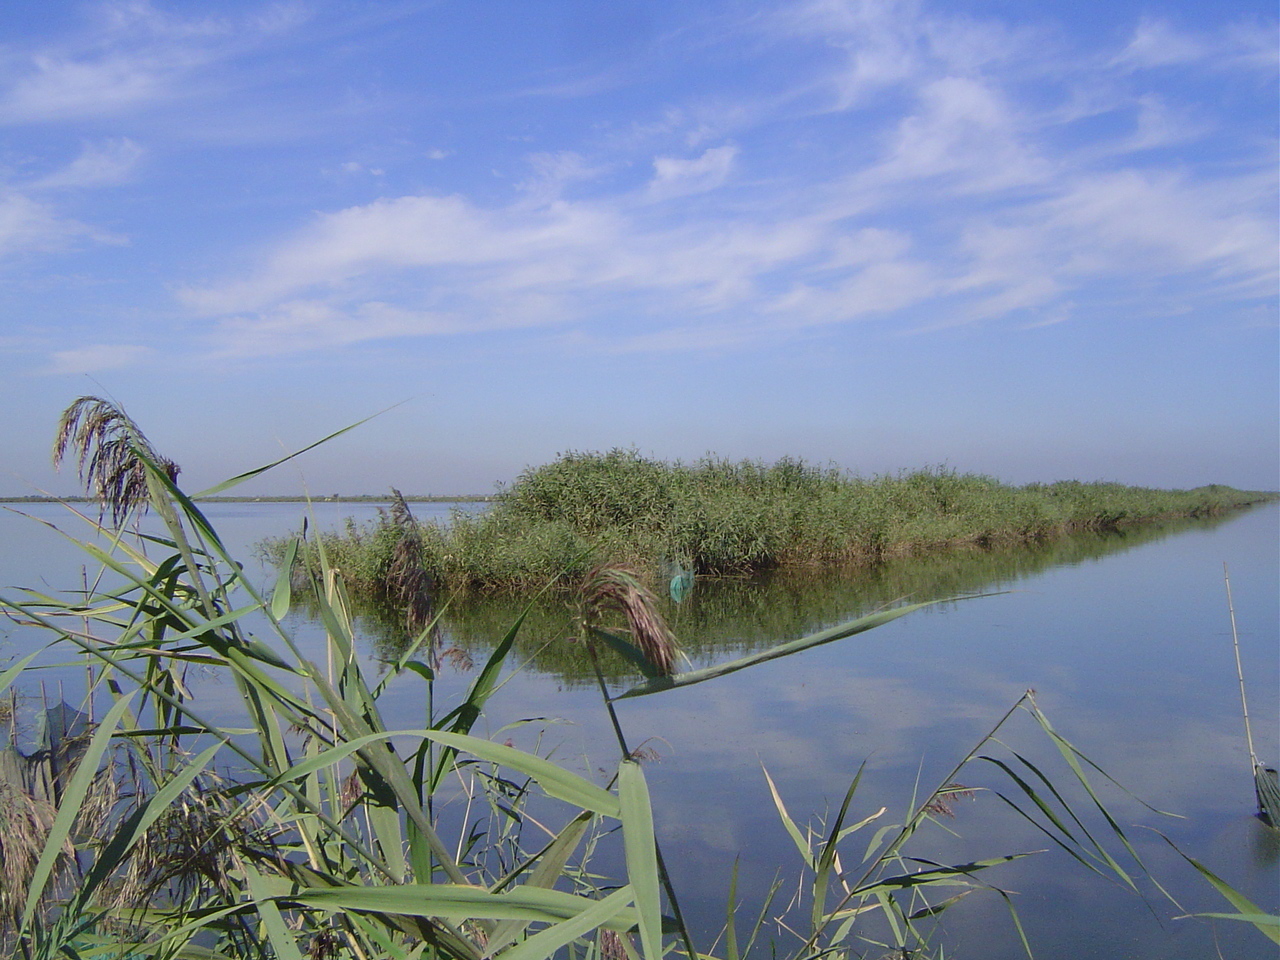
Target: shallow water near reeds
{"type": "Point", "coordinates": [1125, 637]}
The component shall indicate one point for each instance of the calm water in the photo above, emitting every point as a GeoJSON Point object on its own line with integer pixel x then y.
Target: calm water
{"type": "Point", "coordinates": [1126, 640]}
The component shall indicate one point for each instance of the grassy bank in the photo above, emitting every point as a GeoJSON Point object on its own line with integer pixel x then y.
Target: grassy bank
{"type": "Point", "coordinates": [717, 517]}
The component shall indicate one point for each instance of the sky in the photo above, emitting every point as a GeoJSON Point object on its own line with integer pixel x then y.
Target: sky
{"type": "Point", "coordinates": [1031, 240]}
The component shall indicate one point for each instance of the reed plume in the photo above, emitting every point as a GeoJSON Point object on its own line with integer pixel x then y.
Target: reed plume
{"type": "Point", "coordinates": [109, 450]}
{"type": "Point", "coordinates": [408, 584]}
{"type": "Point", "coordinates": [616, 588]}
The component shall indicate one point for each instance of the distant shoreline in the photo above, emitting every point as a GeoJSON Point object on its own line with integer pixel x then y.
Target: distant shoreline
{"type": "Point", "coordinates": [362, 498]}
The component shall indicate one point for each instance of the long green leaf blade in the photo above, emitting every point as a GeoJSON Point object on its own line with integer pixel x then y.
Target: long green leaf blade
{"type": "Point", "coordinates": [546, 942]}
{"type": "Point", "coordinates": [250, 474]}
{"type": "Point", "coordinates": [459, 902]}
{"type": "Point", "coordinates": [282, 595]}
{"type": "Point", "coordinates": [1269, 925]}
{"type": "Point", "coordinates": [840, 632]}
{"type": "Point", "coordinates": [641, 854]}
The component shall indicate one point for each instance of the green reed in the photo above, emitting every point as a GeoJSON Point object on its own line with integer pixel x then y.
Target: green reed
{"type": "Point", "coordinates": [718, 517]}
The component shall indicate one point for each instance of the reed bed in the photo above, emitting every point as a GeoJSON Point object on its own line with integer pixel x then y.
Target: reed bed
{"type": "Point", "coordinates": [717, 517]}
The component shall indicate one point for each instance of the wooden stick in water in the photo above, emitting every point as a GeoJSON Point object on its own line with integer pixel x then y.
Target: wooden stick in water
{"type": "Point", "coordinates": [1235, 640]}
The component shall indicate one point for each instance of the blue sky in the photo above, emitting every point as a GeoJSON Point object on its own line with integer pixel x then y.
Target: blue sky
{"type": "Point", "coordinates": [1034, 240]}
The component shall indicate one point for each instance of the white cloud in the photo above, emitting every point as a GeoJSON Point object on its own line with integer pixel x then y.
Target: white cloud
{"type": "Point", "coordinates": [1135, 219]}
{"type": "Point", "coordinates": [30, 222]}
{"type": "Point", "coordinates": [995, 176]}
{"type": "Point", "coordinates": [963, 129]}
{"type": "Point", "coordinates": [553, 173]}
{"type": "Point", "coordinates": [58, 89]}
{"type": "Point", "coordinates": [95, 357]}
{"type": "Point", "coordinates": [1158, 43]}
{"type": "Point", "coordinates": [27, 224]}
{"type": "Point", "coordinates": [101, 164]}
{"type": "Point", "coordinates": [414, 232]}
{"type": "Point", "coordinates": [677, 177]}
{"type": "Point", "coordinates": [882, 41]}
{"type": "Point", "coordinates": [1159, 125]}
{"type": "Point", "coordinates": [354, 168]}
{"type": "Point", "coordinates": [133, 56]}
{"type": "Point", "coordinates": [298, 326]}
{"type": "Point", "coordinates": [878, 288]}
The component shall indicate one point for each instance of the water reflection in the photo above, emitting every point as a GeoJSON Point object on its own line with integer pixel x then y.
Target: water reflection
{"type": "Point", "coordinates": [1265, 846]}
{"type": "Point", "coordinates": [727, 617]}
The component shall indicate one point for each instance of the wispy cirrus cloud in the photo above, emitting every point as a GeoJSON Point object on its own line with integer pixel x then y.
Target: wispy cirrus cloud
{"type": "Point", "coordinates": [1005, 176]}
{"type": "Point", "coordinates": [32, 212]}
{"type": "Point", "coordinates": [125, 57]}
{"type": "Point", "coordinates": [677, 176]}
{"type": "Point", "coordinates": [129, 55]}
{"type": "Point", "coordinates": [1157, 42]}
{"type": "Point", "coordinates": [99, 164]}
{"type": "Point", "coordinates": [28, 224]}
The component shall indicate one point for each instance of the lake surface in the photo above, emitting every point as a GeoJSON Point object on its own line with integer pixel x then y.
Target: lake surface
{"type": "Point", "coordinates": [1125, 638]}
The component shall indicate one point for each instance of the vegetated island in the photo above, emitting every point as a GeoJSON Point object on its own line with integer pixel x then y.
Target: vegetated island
{"type": "Point", "coordinates": [718, 517]}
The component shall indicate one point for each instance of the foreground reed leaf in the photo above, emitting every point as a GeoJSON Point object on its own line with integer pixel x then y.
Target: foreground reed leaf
{"type": "Point", "coordinates": [731, 915]}
{"type": "Point", "coordinates": [128, 833]}
{"type": "Point", "coordinates": [240, 478]}
{"type": "Point", "coordinates": [551, 862]}
{"type": "Point", "coordinates": [840, 632]}
{"type": "Point", "coordinates": [1249, 912]}
{"type": "Point", "coordinates": [952, 872]}
{"type": "Point", "coordinates": [463, 717]}
{"type": "Point", "coordinates": [282, 595]}
{"type": "Point", "coordinates": [459, 902]}
{"type": "Point", "coordinates": [641, 854]}
{"type": "Point", "coordinates": [940, 907]}
{"type": "Point", "coordinates": [828, 858]}
{"type": "Point", "coordinates": [283, 942]}
{"type": "Point", "coordinates": [798, 838]}
{"type": "Point", "coordinates": [1065, 839]}
{"type": "Point", "coordinates": [556, 781]}
{"type": "Point", "coordinates": [546, 942]}
{"type": "Point", "coordinates": [12, 673]}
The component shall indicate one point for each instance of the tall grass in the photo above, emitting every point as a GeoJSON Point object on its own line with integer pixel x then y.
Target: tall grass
{"type": "Point", "coordinates": [720, 517]}
{"type": "Point", "coordinates": [307, 826]}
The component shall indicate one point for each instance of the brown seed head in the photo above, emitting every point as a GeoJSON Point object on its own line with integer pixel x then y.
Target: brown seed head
{"type": "Point", "coordinates": [616, 588]}
{"type": "Point", "coordinates": [109, 450]}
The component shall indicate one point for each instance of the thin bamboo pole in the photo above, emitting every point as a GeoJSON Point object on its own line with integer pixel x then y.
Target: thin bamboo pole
{"type": "Point", "coordinates": [1235, 640]}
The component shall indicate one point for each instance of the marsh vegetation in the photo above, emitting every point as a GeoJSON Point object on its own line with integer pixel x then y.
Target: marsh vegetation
{"type": "Point", "coordinates": [296, 819]}
{"type": "Point", "coordinates": [718, 518]}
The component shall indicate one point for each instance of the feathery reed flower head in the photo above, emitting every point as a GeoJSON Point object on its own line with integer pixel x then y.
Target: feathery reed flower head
{"type": "Point", "coordinates": [109, 450]}
{"type": "Point", "coordinates": [617, 589]}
